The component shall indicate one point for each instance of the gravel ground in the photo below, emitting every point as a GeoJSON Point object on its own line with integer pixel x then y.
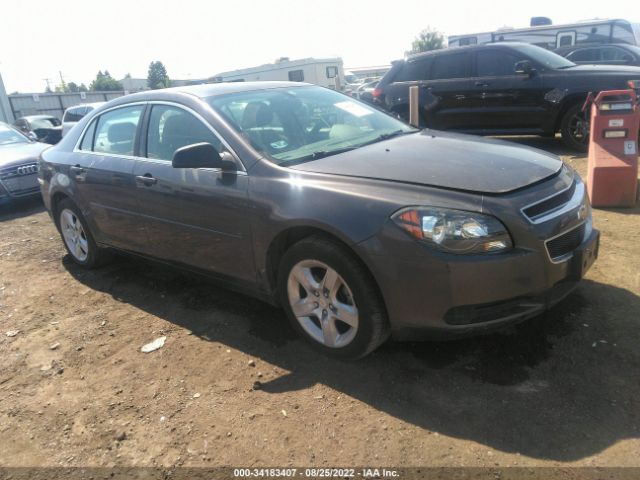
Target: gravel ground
{"type": "Point", "coordinates": [75, 390]}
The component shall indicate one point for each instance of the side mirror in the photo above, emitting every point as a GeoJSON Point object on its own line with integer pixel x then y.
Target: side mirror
{"type": "Point", "coordinates": [201, 155]}
{"type": "Point", "coordinates": [524, 67]}
{"type": "Point", "coordinates": [32, 136]}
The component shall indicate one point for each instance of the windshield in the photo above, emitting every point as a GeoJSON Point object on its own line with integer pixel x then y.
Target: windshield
{"type": "Point", "coordinates": [9, 136]}
{"type": "Point", "coordinates": [37, 123]}
{"type": "Point", "coordinates": [545, 57]}
{"type": "Point", "coordinates": [292, 125]}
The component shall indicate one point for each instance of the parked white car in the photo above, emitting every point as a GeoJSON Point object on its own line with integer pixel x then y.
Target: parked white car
{"type": "Point", "coordinates": [72, 115]}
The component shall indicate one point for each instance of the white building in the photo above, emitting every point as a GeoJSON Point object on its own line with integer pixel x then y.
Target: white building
{"type": "Point", "coordinates": [326, 72]}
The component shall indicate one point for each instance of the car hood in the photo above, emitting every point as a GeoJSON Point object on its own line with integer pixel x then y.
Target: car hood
{"type": "Point", "coordinates": [445, 160]}
{"type": "Point", "coordinates": [605, 69]}
{"type": "Point", "coordinates": [19, 153]}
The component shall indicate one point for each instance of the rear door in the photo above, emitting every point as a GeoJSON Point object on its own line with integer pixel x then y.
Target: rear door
{"type": "Point", "coordinates": [445, 98]}
{"type": "Point", "coordinates": [196, 216]}
{"type": "Point", "coordinates": [502, 99]}
{"type": "Point", "coordinates": [102, 170]}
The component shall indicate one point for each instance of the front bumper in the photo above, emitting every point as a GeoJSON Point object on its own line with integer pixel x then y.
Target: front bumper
{"type": "Point", "coordinates": [445, 296]}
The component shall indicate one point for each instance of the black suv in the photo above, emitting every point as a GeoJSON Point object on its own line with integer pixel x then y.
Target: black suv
{"type": "Point", "coordinates": [500, 89]}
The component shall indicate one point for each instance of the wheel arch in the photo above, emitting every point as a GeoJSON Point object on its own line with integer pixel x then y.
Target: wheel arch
{"type": "Point", "coordinates": [290, 236]}
{"type": "Point", "coordinates": [569, 102]}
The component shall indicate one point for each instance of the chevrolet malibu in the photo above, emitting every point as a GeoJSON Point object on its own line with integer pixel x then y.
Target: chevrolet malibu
{"type": "Point", "coordinates": [358, 225]}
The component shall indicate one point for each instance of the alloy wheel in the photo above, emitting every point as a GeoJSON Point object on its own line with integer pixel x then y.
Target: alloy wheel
{"type": "Point", "coordinates": [323, 303]}
{"type": "Point", "coordinates": [579, 128]}
{"type": "Point", "coordinates": [74, 235]}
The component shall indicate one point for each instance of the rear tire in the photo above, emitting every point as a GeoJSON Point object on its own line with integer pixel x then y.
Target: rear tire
{"type": "Point", "coordinates": [77, 237]}
{"type": "Point", "coordinates": [338, 308]}
{"type": "Point", "coordinates": [574, 128]}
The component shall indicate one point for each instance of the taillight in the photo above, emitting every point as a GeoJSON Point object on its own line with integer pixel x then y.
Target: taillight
{"type": "Point", "coordinates": [377, 92]}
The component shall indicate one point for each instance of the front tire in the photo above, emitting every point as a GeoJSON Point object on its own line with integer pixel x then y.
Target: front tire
{"type": "Point", "coordinates": [331, 299]}
{"type": "Point", "coordinates": [77, 237]}
{"type": "Point", "coordinates": [574, 128]}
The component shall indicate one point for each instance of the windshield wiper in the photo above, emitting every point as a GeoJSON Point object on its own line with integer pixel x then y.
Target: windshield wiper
{"type": "Point", "coordinates": [317, 155]}
{"type": "Point", "coordinates": [387, 136]}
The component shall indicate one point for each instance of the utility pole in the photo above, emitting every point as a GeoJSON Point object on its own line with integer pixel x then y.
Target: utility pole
{"type": "Point", "coordinates": [48, 80]}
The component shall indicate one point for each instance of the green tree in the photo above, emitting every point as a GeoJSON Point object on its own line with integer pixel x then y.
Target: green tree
{"type": "Point", "coordinates": [157, 76]}
{"type": "Point", "coordinates": [73, 87]}
{"type": "Point", "coordinates": [104, 82]}
{"type": "Point", "coordinates": [428, 39]}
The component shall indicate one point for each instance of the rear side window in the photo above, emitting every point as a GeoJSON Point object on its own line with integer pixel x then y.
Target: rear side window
{"type": "Point", "coordinates": [496, 63]}
{"type": "Point", "coordinates": [585, 55]}
{"type": "Point", "coordinates": [87, 140]}
{"type": "Point", "coordinates": [116, 131]}
{"type": "Point", "coordinates": [413, 70]}
{"type": "Point", "coordinates": [450, 66]}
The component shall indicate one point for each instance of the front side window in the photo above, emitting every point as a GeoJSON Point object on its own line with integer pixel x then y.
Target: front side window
{"type": "Point", "coordinates": [293, 125]}
{"type": "Point", "coordinates": [615, 54]}
{"type": "Point", "coordinates": [296, 76]}
{"type": "Point", "coordinates": [171, 128]}
{"type": "Point", "coordinates": [116, 131]}
{"type": "Point", "coordinates": [496, 63]}
{"type": "Point", "coordinates": [450, 66]}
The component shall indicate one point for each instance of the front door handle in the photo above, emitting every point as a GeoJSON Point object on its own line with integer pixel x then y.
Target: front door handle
{"type": "Point", "coordinates": [77, 169]}
{"type": "Point", "coordinates": [147, 179]}
{"type": "Point", "coordinates": [481, 84]}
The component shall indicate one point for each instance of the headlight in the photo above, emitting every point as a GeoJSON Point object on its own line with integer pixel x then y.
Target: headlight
{"type": "Point", "coordinates": [454, 231]}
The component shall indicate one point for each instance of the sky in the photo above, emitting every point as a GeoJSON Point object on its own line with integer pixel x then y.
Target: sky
{"type": "Point", "coordinates": [197, 39]}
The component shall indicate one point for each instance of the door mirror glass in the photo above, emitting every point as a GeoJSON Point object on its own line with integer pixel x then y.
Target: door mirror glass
{"type": "Point", "coordinates": [198, 155]}
{"type": "Point", "coordinates": [524, 67]}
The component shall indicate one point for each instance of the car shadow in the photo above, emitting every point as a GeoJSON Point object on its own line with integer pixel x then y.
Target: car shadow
{"type": "Point", "coordinates": [20, 208]}
{"type": "Point", "coordinates": [563, 386]}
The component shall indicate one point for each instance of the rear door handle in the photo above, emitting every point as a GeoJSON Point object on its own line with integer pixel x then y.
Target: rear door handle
{"type": "Point", "coordinates": [481, 84]}
{"type": "Point", "coordinates": [147, 179]}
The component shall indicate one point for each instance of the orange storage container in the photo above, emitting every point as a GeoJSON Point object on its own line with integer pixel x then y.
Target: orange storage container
{"type": "Point", "coordinates": [612, 180]}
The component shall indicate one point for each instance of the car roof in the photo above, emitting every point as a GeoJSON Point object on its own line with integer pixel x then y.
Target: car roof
{"type": "Point", "coordinates": [90, 104]}
{"type": "Point", "coordinates": [443, 51]}
{"type": "Point", "coordinates": [223, 88]}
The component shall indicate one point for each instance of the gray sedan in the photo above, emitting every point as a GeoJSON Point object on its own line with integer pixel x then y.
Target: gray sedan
{"type": "Point", "coordinates": [18, 164]}
{"type": "Point", "coordinates": [358, 225]}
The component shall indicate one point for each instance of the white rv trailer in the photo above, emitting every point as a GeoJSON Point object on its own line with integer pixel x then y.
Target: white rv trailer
{"type": "Point", "coordinates": [326, 72]}
{"type": "Point", "coordinates": [590, 32]}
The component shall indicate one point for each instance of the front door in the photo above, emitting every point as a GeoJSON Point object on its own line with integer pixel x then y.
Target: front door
{"type": "Point", "coordinates": [196, 216]}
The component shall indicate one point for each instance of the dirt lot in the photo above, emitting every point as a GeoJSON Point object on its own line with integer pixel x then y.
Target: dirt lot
{"type": "Point", "coordinates": [75, 389]}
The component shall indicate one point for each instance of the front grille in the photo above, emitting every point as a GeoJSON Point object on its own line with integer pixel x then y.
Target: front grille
{"type": "Point", "coordinates": [565, 243]}
{"type": "Point", "coordinates": [20, 179]}
{"type": "Point", "coordinates": [550, 204]}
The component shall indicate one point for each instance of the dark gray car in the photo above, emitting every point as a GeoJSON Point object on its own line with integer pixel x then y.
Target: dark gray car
{"type": "Point", "coordinates": [18, 164]}
{"type": "Point", "coordinates": [357, 224]}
